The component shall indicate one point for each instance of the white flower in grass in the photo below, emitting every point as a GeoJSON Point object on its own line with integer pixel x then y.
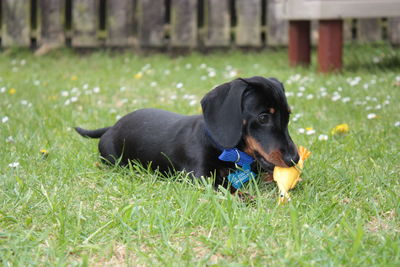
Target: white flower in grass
{"type": "Point", "coordinates": [167, 72]}
{"type": "Point", "coordinates": [179, 85]}
{"type": "Point", "coordinates": [13, 165]}
{"type": "Point", "coordinates": [366, 86]}
{"type": "Point", "coordinates": [192, 102]}
{"type": "Point", "coordinates": [387, 102]}
{"type": "Point", "coordinates": [4, 119]}
{"type": "Point", "coordinates": [302, 88]}
{"type": "Point", "coordinates": [346, 99]}
{"type": "Point", "coordinates": [188, 66]}
{"type": "Point", "coordinates": [203, 66]}
{"type": "Point", "coordinates": [299, 94]}
{"type": "Point", "coordinates": [323, 137]}
{"type": "Point", "coordinates": [310, 96]}
{"type": "Point", "coordinates": [22, 62]}
{"type": "Point", "coordinates": [310, 131]}
{"type": "Point", "coordinates": [85, 86]}
{"type": "Point", "coordinates": [378, 107]}
{"type": "Point", "coordinates": [153, 84]}
{"type": "Point", "coordinates": [37, 82]}
{"type": "Point", "coordinates": [64, 93]}
{"type": "Point", "coordinates": [297, 116]}
{"type": "Point", "coordinates": [289, 94]}
{"type": "Point", "coordinates": [122, 88]}
{"type": "Point", "coordinates": [323, 94]}
{"type": "Point", "coordinates": [73, 99]}
{"type": "Point", "coordinates": [233, 73]}
{"type": "Point", "coordinates": [301, 130]}
{"type": "Point", "coordinates": [173, 97]}
{"type": "Point", "coordinates": [203, 78]}
{"type": "Point", "coordinates": [335, 97]}
{"type": "Point", "coordinates": [10, 139]}
{"type": "Point", "coordinates": [371, 116]}
{"type": "Point", "coordinates": [118, 117]}
{"type": "Point", "coordinates": [96, 90]}
{"type": "Point", "coordinates": [3, 89]}
{"type": "Point", "coordinates": [74, 90]}
{"type": "Point", "coordinates": [397, 124]}
{"type": "Point", "coordinates": [376, 59]}
{"type": "Point", "coordinates": [67, 102]}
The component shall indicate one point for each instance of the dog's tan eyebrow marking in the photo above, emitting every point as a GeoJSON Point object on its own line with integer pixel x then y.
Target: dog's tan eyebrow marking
{"type": "Point", "coordinates": [271, 110]}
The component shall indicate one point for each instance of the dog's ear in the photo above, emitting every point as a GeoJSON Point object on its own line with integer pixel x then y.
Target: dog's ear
{"type": "Point", "coordinates": [222, 110]}
{"type": "Point", "coordinates": [261, 82]}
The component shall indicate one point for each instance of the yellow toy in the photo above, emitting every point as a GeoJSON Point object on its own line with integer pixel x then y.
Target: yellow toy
{"type": "Point", "coordinates": [287, 178]}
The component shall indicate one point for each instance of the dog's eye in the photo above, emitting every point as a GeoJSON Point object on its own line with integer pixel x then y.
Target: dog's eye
{"type": "Point", "coordinates": [263, 118]}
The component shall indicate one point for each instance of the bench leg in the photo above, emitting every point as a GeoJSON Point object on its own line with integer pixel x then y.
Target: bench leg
{"type": "Point", "coordinates": [299, 43]}
{"type": "Point", "coordinates": [330, 45]}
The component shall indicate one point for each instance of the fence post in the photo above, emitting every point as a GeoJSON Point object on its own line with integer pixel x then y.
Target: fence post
{"type": "Point", "coordinates": [248, 30]}
{"type": "Point", "coordinates": [394, 30]}
{"type": "Point", "coordinates": [217, 23]}
{"type": "Point", "coordinates": [151, 21]}
{"type": "Point", "coordinates": [184, 23]}
{"type": "Point", "coordinates": [51, 25]}
{"type": "Point", "coordinates": [85, 21]}
{"type": "Point", "coordinates": [369, 30]}
{"type": "Point", "coordinates": [120, 23]}
{"type": "Point", "coordinates": [16, 23]}
{"type": "Point", "coordinates": [277, 29]}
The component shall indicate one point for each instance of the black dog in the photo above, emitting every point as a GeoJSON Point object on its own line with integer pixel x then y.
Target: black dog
{"type": "Point", "coordinates": [249, 114]}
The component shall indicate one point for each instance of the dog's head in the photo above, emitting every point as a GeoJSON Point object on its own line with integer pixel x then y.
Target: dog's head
{"type": "Point", "coordinates": [252, 113]}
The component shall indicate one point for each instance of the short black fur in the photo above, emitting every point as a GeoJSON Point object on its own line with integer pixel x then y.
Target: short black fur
{"type": "Point", "coordinates": [251, 114]}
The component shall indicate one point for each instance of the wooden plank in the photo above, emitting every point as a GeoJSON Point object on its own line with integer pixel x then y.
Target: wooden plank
{"type": "Point", "coordinates": [151, 20]}
{"type": "Point", "coordinates": [299, 43]}
{"type": "Point", "coordinates": [183, 23]}
{"type": "Point", "coordinates": [248, 30]}
{"type": "Point", "coordinates": [277, 28]}
{"type": "Point", "coordinates": [314, 32]}
{"type": "Point", "coordinates": [330, 45]}
{"type": "Point", "coordinates": [348, 30]}
{"type": "Point", "coordinates": [369, 30]}
{"type": "Point", "coordinates": [85, 21]}
{"type": "Point", "coordinates": [51, 23]}
{"type": "Point", "coordinates": [394, 30]}
{"type": "Point", "coordinates": [16, 23]}
{"type": "Point", "coordinates": [120, 23]}
{"type": "Point", "coordinates": [217, 23]}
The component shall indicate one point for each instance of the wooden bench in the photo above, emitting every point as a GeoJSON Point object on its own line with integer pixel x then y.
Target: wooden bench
{"type": "Point", "coordinates": [329, 13]}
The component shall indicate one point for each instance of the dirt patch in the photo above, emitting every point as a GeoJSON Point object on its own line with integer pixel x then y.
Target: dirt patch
{"type": "Point", "coordinates": [384, 223]}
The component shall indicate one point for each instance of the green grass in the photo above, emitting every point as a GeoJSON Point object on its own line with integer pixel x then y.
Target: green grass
{"type": "Point", "coordinates": [62, 209]}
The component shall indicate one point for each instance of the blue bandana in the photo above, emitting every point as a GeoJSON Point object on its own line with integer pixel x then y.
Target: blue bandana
{"type": "Point", "coordinates": [244, 160]}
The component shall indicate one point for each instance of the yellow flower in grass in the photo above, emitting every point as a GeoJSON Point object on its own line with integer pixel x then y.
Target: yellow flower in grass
{"type": "Point", "coordinates": [138, 75]}
{"type": "Point", "coordinates": [44, 152]}
{"type": "Point", "coordinates": [74, 78]}
{"type": "Point", "coordinates": [340, 129]}
{"type": "Point", "coordinates": [12, 91]}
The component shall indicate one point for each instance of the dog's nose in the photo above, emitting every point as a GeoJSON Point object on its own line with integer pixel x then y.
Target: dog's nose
{"type": "Point", "coordinates": [291, 159]}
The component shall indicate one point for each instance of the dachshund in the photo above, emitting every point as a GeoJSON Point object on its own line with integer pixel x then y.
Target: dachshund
{"type": "Point", "coordinates": [250, 114]}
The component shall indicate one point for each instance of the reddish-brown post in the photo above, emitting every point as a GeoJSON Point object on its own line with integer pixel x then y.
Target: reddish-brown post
{"type": "Point", "coordinates": [330, 45]}
{"type": "Point", "coordinates": [299, 42]}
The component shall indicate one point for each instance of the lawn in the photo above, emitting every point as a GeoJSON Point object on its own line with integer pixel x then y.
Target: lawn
{"type": "Point", "coordinates": [59, 206]}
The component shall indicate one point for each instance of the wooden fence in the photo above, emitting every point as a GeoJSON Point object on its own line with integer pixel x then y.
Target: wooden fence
{"type": "Point", "coordinates": [161, 24]}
